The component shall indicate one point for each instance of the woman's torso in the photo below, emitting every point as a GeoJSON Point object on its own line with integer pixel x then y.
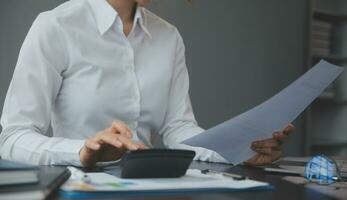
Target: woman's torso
{"type": "Point", "coordinates": [111, 77]}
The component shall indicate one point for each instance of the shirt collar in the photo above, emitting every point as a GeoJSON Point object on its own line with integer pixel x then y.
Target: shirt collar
{"type": "Point", "coordinates": [105, 16]}
{"type": "Point", "coordinates": [141, 20]}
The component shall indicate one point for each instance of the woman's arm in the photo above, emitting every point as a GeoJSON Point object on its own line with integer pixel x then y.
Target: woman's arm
{"type": "Point", "coordinates": [180, 123]}
{"type": "Point", "coordinates": [34, 87]}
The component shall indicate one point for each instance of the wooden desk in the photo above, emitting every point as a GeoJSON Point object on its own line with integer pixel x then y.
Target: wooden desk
{"type": "Point", "coordinates": [284, 190]}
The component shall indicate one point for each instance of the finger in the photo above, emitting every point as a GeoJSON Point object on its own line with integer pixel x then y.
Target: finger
{"type": "Point", "coordinates": [141, 145]}
{"type": "Point", "coordinates": [118, 140]}
{"type": "Point", "coordinates": [127, 143]}
{"type": "Point", "coordinates": [92, 144]}
{"type": "Point", "coordinates": [109, 138]}
{"type": "Point", "coordinates": [261, 141]}
{"type": "Point", "coordinates": [279, 136]}
{"type": "Point", "coordinates": [289, 129]}
{"type": "Point", "coordinates": [269, 143]}
{"type": "Point", "coordinates": [259, 159]}
{"type": "Point", "coordinates": [265, 151]}
{"type": "Point", "coordinates": [120, 127]}
{"type": "Point", "coordinates": [262, 160]}
{"type": "Point", "coordinates": [252, 160]}
{"type": "Point", "coordinates": [125, 126]}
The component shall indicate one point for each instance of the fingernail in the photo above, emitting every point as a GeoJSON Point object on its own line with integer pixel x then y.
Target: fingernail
{"type": "Point", "coordinates": [134, 147]}
{"type": "Point", "coordinates": [96, 146]}
{"type": "Point", "coordinates": [118, 143]}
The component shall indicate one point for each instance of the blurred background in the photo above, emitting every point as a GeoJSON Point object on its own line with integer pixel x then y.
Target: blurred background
{"type": "Point", "coordinates": [239, 53]}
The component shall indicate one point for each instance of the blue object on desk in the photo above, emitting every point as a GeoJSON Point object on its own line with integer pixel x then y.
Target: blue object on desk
{"type": "Point", "coordinates": [321, 169]}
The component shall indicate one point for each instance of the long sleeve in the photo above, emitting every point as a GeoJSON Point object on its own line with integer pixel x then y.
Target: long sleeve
{"type": "Point", "coordinates": [28, 105]}
{"type": "Point", "coordinates": [180, 123]}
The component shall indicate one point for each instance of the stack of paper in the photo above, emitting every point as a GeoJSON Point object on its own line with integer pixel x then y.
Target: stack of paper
{"type": "Point", "coordinates": [232, 139]}
{"type": "Point", "coordinates": [192, 181]}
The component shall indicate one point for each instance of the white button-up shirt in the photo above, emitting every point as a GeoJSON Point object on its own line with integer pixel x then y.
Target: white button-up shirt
{"type": "Point", "coordinates": [77, 72]}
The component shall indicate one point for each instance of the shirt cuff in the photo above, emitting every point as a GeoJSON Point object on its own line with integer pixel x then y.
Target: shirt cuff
{"type": "Point", "coordinates": [70, 155]}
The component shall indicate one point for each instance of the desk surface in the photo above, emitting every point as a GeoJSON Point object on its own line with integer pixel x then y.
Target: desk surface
{"type": "Point", "coordinates": [283, 189]}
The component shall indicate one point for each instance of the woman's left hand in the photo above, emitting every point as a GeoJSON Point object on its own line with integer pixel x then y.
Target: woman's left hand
{"type": "Point", "coordinates": [269, 150]}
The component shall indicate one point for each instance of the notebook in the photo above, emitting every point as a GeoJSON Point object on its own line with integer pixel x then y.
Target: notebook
{"type": "Point", "coordinates": [18, 177]}
{"type": "Point", "coordinates": [12, 173]}
{"type": "Point", "coordinates": [102, 184]}
{"type": "Point", "coordinates": [36, 182]}
{"type": "Point", "coordinates": [10, 165]}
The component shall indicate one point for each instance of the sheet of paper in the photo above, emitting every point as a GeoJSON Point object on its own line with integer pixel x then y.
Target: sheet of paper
{"type": "Point", "coordinates": [194, 179]}
{"type": "Point", "coordinates": [232, 139]}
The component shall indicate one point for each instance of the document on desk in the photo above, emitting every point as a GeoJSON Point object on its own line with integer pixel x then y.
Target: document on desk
{"type": "Point", "coordinates": [232, 139]}
{"type": "Point", "coordinates": [194, 180]}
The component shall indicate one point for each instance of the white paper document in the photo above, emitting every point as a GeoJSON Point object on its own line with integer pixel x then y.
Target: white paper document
{"type": "Point", "coordinates": [232, 139]}
{"type": "Point", "coordinates": [193, 180]}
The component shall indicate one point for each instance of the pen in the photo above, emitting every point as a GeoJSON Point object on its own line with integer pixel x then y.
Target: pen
{"type": "Point", "coordinates": [79, 174]}
{"type": "Point", "coordinates": [234, 176]}
{"type": "Point", "coordinates": [284, 171]}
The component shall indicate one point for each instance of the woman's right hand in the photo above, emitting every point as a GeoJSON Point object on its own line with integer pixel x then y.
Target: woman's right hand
{"type": "Point", "coordinates": [108, 145]}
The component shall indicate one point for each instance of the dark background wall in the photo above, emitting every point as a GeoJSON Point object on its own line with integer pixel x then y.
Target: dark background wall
{"type": "Point", "coordinates": [329, 125]}
{"type": "Point", "coordinates": [239, 52]}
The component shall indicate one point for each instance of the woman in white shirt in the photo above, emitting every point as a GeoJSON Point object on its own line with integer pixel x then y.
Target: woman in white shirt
{"type": "Point", "coordinates": [108, 76]}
